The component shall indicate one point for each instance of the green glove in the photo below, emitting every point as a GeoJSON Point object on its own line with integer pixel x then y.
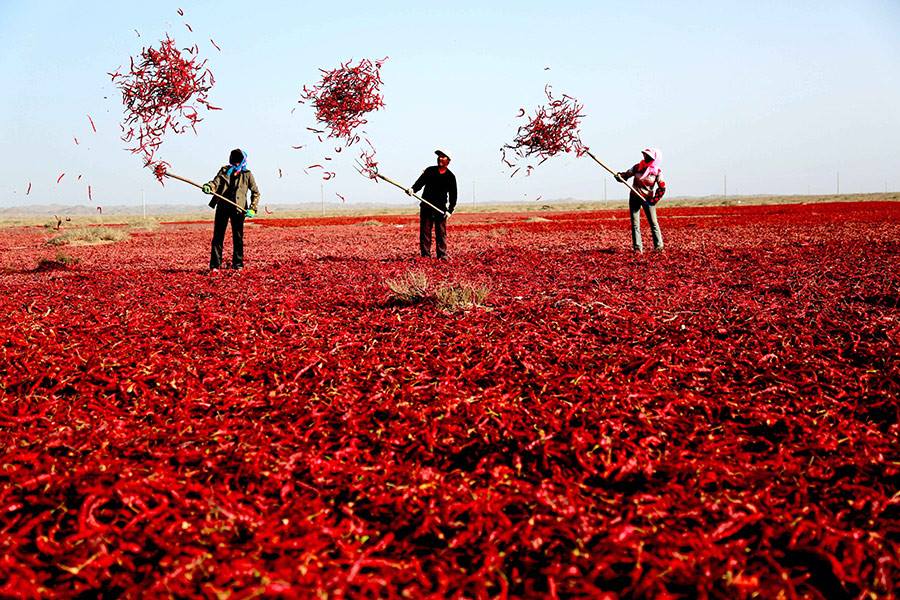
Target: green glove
{"type": "Point", "coordinates": [207, 189]}
{"type": "Point", "coordinates": [250, 213]}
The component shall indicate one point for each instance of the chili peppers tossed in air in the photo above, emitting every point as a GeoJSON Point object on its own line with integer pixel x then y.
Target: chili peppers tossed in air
{"type": "Point", "coordinates": [161, 93]}
{"type": "Point", "coordinates": [552, 129]}
{"type": "Point", "coordinates": [367, 165]}
{"type": "Point", "coordinates": [342, 99]}
{"type": "Point", "coordinates": [345, 95]}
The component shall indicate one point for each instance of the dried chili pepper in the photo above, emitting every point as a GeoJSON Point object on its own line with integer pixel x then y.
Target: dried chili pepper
{"type": "Point", "coordinates": [345, 95]}
{"type": "Point", "coordinates": [552, 129]}
{"type": "Point", "coordinates": [161, 92]}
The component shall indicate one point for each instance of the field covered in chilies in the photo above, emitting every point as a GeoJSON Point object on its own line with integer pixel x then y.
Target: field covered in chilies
{"type": "Point", "coordinates": [719, 420]}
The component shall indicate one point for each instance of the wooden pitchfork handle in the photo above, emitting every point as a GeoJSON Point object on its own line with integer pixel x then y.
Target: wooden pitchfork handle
{"type": "Point", "coordinates": [615, 175]}
{"type": "Point", "coordinates": [198, 186]}
{"type": "Point", "coordinates": [414, 195]}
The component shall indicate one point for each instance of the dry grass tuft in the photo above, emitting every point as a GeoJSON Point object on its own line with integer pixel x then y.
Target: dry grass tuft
{"type": "Point", "coordinates": [86, 236]}
{"type": "Point", "coordinates": [411, 288]}
{"type": "Point", "coordinates": [370, 223]}
{"type": "Point", "coordinates": [62, 261]}
{"type": "Point", "coordinates": [144, 225]}
{"type": "Point", "coordinates": [460, 296]}
{"type": "Point", "coordinates": [537, 220]}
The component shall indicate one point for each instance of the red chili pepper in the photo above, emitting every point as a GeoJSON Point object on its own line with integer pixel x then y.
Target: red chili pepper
{"type": "Point", "coordinates": [553, 129]}
{"type": "Point", "coordinates": [61, 175]}
{"type": "Point", "coordinates": [160, 93]}
{"type": "Point", "coordinates": [215, 45]}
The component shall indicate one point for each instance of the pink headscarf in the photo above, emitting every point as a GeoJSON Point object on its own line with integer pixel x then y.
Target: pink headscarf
{"type": "Point", "coordinates": [646, 168]}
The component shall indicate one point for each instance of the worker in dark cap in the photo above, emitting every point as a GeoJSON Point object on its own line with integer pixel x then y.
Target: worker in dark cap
{"type": "Point", "coordinates": [233, 181]}
{"type": "Point", "coordinates": [440, 190]}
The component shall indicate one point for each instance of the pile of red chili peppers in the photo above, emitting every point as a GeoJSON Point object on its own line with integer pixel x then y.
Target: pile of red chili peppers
{"type": "Point", "coordinates": [719, 421]}
{"type": "Point", "coordinates": [161, 93]}
{"type": "Point", "coordinates": [552, 129]}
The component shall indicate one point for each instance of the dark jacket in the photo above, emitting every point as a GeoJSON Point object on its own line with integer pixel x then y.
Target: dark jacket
{"type": "Point", "coordinates": [438, 188]}
{"type": "Point", "coordinates": [235, 188]}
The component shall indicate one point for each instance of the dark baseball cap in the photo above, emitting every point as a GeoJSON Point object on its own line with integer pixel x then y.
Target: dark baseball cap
{"type": "Point", "coordinates": [441, 153]}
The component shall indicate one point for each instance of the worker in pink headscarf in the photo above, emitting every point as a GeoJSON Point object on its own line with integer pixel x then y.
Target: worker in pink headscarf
{"type": "Point", "coordinates": [649, 183]}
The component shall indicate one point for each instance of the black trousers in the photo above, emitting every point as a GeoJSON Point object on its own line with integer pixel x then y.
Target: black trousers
{"type": "Point", "coordinates": [224, 213]}
{"type": "Point", "coordinates": [429, 219]}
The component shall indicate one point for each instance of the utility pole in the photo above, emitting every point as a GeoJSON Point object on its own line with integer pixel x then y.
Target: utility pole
{"type": "Point", "coordinates": [143, 204]}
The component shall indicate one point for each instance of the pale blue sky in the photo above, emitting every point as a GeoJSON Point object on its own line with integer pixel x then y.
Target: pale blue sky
{"type": "Point", "coordinates": [779, 96]}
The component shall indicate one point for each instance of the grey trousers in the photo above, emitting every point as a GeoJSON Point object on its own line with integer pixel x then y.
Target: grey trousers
{"type": "Point", "coordinates": [634, 206]}
{"type": "Point", "coordinates": [429, 219]}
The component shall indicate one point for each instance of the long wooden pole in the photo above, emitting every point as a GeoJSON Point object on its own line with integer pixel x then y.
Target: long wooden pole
{"type": "Point", "coordinates": [414, 195]}
{"type": "Point", "coordinates": [198, 186]}
{"type": "Point", "coordinates": [614, 174]}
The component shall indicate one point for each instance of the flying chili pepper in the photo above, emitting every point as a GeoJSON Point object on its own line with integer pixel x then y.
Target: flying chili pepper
{"type": "Point", "coordinates": [343, 98]}
{"type": "Point", "coordinates": [61, 175]}
{"type": "Point", "coordinates": [161, 92]}
{"type": "Point", "coordinates": [552, 129]}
